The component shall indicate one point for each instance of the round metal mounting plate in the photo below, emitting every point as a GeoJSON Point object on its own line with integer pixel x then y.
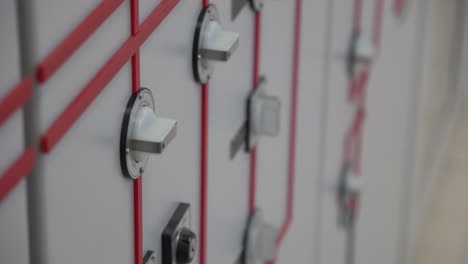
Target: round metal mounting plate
{"type": "Point", "coordinates": [129, 165]}
{"type": "Point", "coordinates": [202, 68]}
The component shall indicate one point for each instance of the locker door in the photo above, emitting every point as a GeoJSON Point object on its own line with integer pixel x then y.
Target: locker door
{"type": "Point", "coordinates": [83, 204]}
{"type": "Point", "coordinates": [175, 176]}
{"type": "Point", "coordinates": [385, 135]}
{"type": "Point", "coordinates": [166, 64]}
{"type": "Point", "coordinates": [172, 176]}
{"type": "Point", "coordinates": [338, 116]}
{"type": "Point", "coordinates": [393, 97]}
{"type": "Point", "coordinates": [14, 246]}
{"type": "Point", "coordinates": [296, 239]}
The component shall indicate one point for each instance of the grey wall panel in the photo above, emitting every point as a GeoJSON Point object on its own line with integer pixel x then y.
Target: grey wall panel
{"type": "Point", "coordinates": [276, 65]}
{"type": "Point", "coordinates": [338, 116]}
{"type": "Point", "coordinates": [13, 214]}
{"type": "Point", "coordinates": [228, 181]}
{"type": "Point", "coordinates": [302, 240]}
{"type": "Point", "coordinates": [85, 203]}
{"type": "Point", "coordinates": [391, 94]}
{"type": "Point", "coordinates": [173, 176]}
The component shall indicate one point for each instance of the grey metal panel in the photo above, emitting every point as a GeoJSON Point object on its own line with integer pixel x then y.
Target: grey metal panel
{"type": "Point", "coordinates": [338, 116]}
{"type": "Point", "coordinates": [385, 130]}
{"type": "Point", "coordinates": [301, 241]}
{"type": "Point", "coordinates": [83, 203]}
{"type": "Point", "coordinates": [391, 95]}
{"type": "Point", "coordinates": [13, 214]}
{"type": "Point", "coordinates": [276, 64]}
{"type": "Point", "coordinates": [174, 175]}
{"type": "Point", "coordinates": [228, 180]}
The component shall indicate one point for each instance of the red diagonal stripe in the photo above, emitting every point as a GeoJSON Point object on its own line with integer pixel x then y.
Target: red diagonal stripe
{"type": "Point", "coordinates": [94, 87]}
{"type": "Point", "coordinates": [17, 97]}
{"type": "Point", "coordinates": [20, 168]}
{"type": "Point", "coordinates": [75, 39]}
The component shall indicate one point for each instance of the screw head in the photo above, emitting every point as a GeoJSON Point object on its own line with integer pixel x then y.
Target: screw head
{"type": "Point", "coordinates": [186, 246]}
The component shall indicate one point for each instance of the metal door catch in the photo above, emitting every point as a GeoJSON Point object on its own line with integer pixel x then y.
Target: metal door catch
{"type": "Point", "coordinates": [142, 133]}
{"type": "Point", "coordinates": [259, 240]}
{"type": "Point", "coordinates": [211, 43]}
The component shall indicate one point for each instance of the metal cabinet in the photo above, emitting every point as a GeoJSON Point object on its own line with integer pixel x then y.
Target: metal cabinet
{"type": "Point", "coordinates": [87, 57]}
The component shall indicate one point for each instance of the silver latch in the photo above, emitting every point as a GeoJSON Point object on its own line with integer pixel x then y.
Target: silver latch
{"type": "Point", "coordinates": [259, 241]}
{"type": "Point", "coordinates": [143, 132]}
{"type": "Point", "coordinates": [263, 115]}
{"type": "Point", "coordinates": [211, 43]}
{"type": "Point", "coordinates": [361, 52]}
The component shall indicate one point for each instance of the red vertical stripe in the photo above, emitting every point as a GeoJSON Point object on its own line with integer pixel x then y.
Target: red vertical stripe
{"type": "Point", "coordinates": [256, 46]}
{"type": "Point", "coordinates": [137, 184]}
{"type": "Point", "coordinates": [204, 163]}
{"type": "Point", "coordinates": [292, 127]}
{"type": "Point", "coordinates": [203, 170]}
{"type": "Point", "coordinates": [377, 25]}
{"type": "Point", "coordinates": [292, 124]}
{"type": "Point", "coordinates": [256, 80]}
{"type": "Point", "coordinates": [357, 15]}
{"type": "Point", "coordinates": [138, 220]}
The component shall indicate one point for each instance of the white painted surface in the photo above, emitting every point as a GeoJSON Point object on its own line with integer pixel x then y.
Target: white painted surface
{"type": "Point", "coordinates": [86, 204]}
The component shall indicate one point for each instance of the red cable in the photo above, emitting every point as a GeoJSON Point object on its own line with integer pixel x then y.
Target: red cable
{"type": "Point", "coordinates": [137, 183]}
{"type": "Point", "coordinates": [203, 163]}
{"type": "Point", "coordinates": [75, 39]}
